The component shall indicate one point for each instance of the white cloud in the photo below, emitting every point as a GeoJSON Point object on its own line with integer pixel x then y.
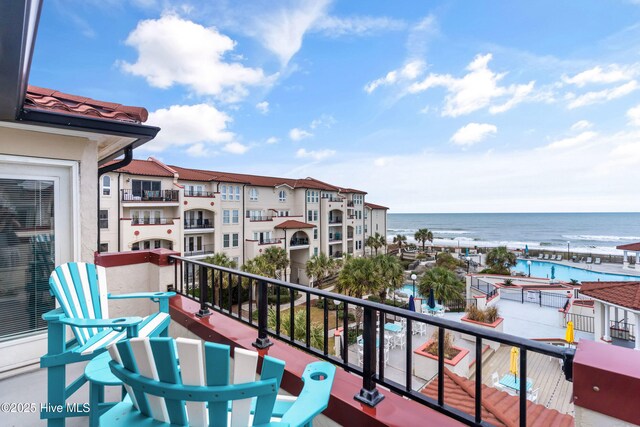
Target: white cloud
{"type": "Point", "coordinates": [581, 125]}
{"type": "Point", "coordinates": [473, 133]}
{"type": "Point", "coordinates": [633, 114]}
{"type": "Point", "coordinates": [172, 50]}
{"type": "Point", "coordinates": [598, 75]}
{"type": "Point", "coordinates": [297, 134]}
{"type": "Point", "coordinates": [475, 90]}
{"type": "Point", "coordinates": [263, 107]}
{"type": "Point", "coordinates": [324, 120]}
{"type": "Point", "coordinates": [603, 95]}
{"type": "Point", "coordinates": [333, 26]}
{"type": "Point", "coordinates": [409, 72]}
{"type": "Point", "coordinates": [272, 140]}
{"type": "Point", "coordinates": [198, 150]}
{"type": "Point", "coordinates": [314, 154]}
{"type": "Point", "coordinates": [199, 126]}
{"type": "Point", "coordinates": [235, 148]}
{"type": "Point", "coordinates": [572, 141]}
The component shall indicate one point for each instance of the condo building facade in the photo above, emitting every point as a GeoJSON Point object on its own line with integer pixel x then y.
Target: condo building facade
{"type": "Point", "coordinates": [148, 204]}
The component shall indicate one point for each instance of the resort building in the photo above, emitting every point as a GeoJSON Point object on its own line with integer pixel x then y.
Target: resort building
{"type": "Point", "coordinates": [148, 205]}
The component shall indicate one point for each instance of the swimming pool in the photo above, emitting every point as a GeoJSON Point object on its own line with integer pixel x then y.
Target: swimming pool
{"type": "Point", "coordinates": [408, 289]}
{"type": "Point", "coordinates": [566, 273]}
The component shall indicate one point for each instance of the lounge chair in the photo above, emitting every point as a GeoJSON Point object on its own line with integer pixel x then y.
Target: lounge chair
{"type": "Point", "coordinates": [158, 389]}
{"type": "Point", "coordinates": [597, 261]}
{"type": "Point", "coordinates": [540, 256]}
{"type": "Point", "coordinates": [581, 259]}
{"type": "Point", "coordinates": [589, 260]}
{"type": "Point", "coordinates": [558, 257]}
{"type": "Point", "coordinates": [546, 256]}
{"type": "Point", "coordinates": [574, 258]}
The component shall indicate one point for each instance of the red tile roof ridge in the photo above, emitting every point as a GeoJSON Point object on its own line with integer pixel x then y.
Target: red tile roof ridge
{"type": "Point", "coordinates": [587, 286]}
{"type": "Point", "coordinates": [162, 165]}
{"type": "Point", "coordinates": [374, 206]}
{"type": "Point", "coordinates": [52, 100]}
{"type": "Point", "coordinates": [292, 223]}
{"type": "Point", "coordinates": [624, 294]}
{"type": "Point", "coordinates": [630, 246]}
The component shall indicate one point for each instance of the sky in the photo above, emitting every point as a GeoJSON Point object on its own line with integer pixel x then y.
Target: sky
{"type": "Point", "coordinates": [439, 106]}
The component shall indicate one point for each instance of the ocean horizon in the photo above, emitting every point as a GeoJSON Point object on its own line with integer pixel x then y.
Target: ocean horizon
{"type": "Point", "coordinates": [587, 232]}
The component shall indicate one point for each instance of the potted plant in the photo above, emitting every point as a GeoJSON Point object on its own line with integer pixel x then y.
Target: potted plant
{"type": "Point", "coordinates": [425, 360]}
{"type": "Point", "coordinates": [489, 318]}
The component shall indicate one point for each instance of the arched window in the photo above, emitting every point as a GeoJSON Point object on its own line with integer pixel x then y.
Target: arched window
{"type": "Point", "coordinates": [106, 185]}
{"type": "Point", "coordinates": [282, 196]}
{"type": "Point", "coordinates": [253, 195]}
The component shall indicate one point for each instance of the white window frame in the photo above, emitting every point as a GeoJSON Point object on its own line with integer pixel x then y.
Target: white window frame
{"type": "Point", "coordinates": [282, 196]}
{"type": "Point", "coordinates": [235, 240]}
{"type": "Point", "coordinates": [253, 194]}
{"type": "Point", "coordinates": [237, 192]}
{"type": "Point", "coordinates": [106, 188]}
{"type": "Point", "coordinates": [223, 192]}
{"type": "Point", "coordinates": [226, 216]}
{"type": "Point", "coordinates": [235, 216]}
{"type": "Point", "coordinates": [226, 240]}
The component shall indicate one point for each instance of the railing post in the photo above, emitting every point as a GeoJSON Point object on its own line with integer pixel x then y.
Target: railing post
{"type": "Point", "coordinates": [369, 394]}
{"type": "Point", "coordinates": [202, 283]}
{"type": "Point", "coordinates": [263, 310]}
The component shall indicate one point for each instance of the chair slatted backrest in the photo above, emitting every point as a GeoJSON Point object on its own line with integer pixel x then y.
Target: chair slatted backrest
{"type": "Point", "coordinates": [81, 291]}
{"type": "Point", "coordinates": [150, 371]}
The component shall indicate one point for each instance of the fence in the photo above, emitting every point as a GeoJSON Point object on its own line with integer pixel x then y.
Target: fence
{"type": "Point", "coordinates": [459, 305]}
{"type": "Point", "coordinates": [542, 298]}
{"type": "Point", "coordinates": [216, 288]}
{"type": "Point", "coordinates": [622, 330]}
{"type": "Point", "coordinates": [580, 322]}
{"type": "Point", "coordinates": [481, 285]}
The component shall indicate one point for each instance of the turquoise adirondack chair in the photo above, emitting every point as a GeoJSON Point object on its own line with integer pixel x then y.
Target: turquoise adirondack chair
{"type": "Point", "coordinates": [183, 382]}
{"type": "Point", "coordinates": [81, 292]}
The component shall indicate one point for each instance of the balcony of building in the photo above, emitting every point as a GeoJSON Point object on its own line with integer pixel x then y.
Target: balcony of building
{"type": "Point", "coordinates": [258, 217]}
{"type": "Point", "coordinates": [197, 199]}
{"type": "Point", "coordinates": [132, 198]}
{"type": "Point", "coordinates": [198, 225]}
{"type": "Point", "coordinates": [197, 252]}
{"type": "Point", "coordinates": [335, 218]}
{"type": "Point", "coordinates": [149, 228]}
{"type": "Point", "coordinates": [300, 240]}
{"type": "Point", "coordinates": [373, 385]}
{"type": "Point", "coordinates": [335, 238]}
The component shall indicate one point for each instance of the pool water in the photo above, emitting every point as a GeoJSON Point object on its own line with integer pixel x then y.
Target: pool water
{"type": "Point", "coordinates": [408, 289]}
{"type": "Point", "coordinates": [566, 273]}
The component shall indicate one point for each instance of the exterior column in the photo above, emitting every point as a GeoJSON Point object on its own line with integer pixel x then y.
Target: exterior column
{"type": "Point", "coordinates": [625, 264]}
{"type": "Point", "coordinates": [597, 324]}
{"type": "Point", "coordinates": [637, 260]}
{"type": "Point", "coordinates": [607, 324]}
{"type": "Point", "coordinates": [637, 316]}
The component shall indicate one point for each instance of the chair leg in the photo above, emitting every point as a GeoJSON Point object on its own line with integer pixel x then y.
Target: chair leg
{"type": "Point", "coordinates": [96, 397]}
{"type": "Point", "coordinates": [56, 384]}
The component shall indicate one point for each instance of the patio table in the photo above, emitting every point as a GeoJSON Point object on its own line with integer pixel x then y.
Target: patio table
{"type": "Point", "coordinates": [392, 327]}
{"type": "Point", "coordinates": [513, 382]}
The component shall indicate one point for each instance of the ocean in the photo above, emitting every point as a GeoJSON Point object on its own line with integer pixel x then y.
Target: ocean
{"type": "Point", "coordinates": [587, 232]}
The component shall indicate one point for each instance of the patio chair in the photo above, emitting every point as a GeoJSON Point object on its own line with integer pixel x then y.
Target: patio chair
{"type": "Point", "coordinates": [558, 257]}
{"type": "Point", "coordinates": [546, 256]}
{"type": "Point", "coordinates": [589, 260]}
{"type": "Point", "coordinates": [533, 395]}
{"type": "Point", "coordinates": [574, 258]}
{"type": "Point", "coordinates": [598, 261]}
{"type": "Point", "coordinates": [540, 256]}
{"type": "Point", "coordinates": [81, 291]}
{"type": "Point", "coordinates": [495, 379]}
{"type": "Point", "coordinates": [199, 392]}
{"type": "Point", "coordinates": [419, 328]}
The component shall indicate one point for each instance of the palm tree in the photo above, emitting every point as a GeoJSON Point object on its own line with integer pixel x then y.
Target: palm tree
{"type": "Point", "coordinates": [219, 259]}
{"type": "Point", "coordinates": [446, 286]}
{"type": "Point", "coordinates": [423, 235]}
{"type": "Point", "coordinates": [400, 240]}
{"type": "Point", "coordinates": [382, 240]}
{"type": "Point", "coordinates": [319, 267]}
{"type": "Point", "coordinates": [277, 260]}
{"type": "Point", "coordinates": [359, 276]}
{"type": "Point", "coordinates": [391, 274]}
{"type": "Point", "coordinates": [299, 327]}
{"type": "Point", "coordinates": [500, 260]}
{"type": "Point", "coordinates": [376, 242]}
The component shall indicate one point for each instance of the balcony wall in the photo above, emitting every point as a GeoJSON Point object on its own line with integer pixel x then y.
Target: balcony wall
{"type": "Point", "coordinates": [205, 202]}
{"type": "Point", "coordinates": [136, 233]}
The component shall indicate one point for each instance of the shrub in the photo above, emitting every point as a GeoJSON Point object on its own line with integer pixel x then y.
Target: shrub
{"type": "Point", "coordinates": [491, 314]}
{"type": "Point", "coordinates": [508, 282]}
{"type": "Point", "coordinates": [488, 315]}
{"type": "Point", "coordinates": [449, 351]}
{"type": "Point", "coordinates": [285, 297]}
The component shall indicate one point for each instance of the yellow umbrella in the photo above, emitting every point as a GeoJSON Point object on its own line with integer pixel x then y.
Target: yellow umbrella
{"type": "Point", "coordinates": [513, 364]}
{"type": "Point", "coordinates": [569, 335]}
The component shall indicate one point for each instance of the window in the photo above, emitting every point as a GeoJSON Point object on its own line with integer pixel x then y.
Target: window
{"type": "Point", "coordinates": [236, 260]}
{"type": "Point", "coordinates": [309, 216]}
{"type": "Point", "coordinates": [226, 216]}
{"type": "Point", "coordinates": [225, 240]}
{"type": "Point", "coordinates": [365, 228]}
{"type": "Point", "coordinates": [315, 233]}
{"type": "Point", "coordinates": [234, 240]}
{"type": "Point", "coordinates": [282, 196]}
{"type": "Point", "coordinates": [315, 215]}
{"type": "Point", "coordinates": [283, 213]}
{"type": "Point", "coordinates": [358, 199]}
{"type": "Point", "coordinates": [313, 196]}
{"type": "Point", "coordinates": [104, 247]}
{"type": "Point", "coordinates": [315, 251]}
{"type": "Point", "coordinates": [358, 229]}
{"type": "Point", "coordinates": [237, 192]}
{"type": "Point", "coordinates": [223, 192]}
{"type": "Point", "coordinates": [253, 195]}
{"type": "Point", "coordinates": [376, 227]}
{"type": "Point", "coordinates": [141, 188]}
{"type": "Point", "coordinates": [104, 218]}
{"type": "Point", "coordinates": [135, 246]}
{"type": "Point", "coordinates": [193, 190]}
{"type": "Point", "coordinates": [106, 185]}
{"type": "Point", "coordinates": [235, 216]}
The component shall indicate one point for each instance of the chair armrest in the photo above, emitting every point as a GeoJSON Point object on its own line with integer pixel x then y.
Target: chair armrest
{"type": "Point", "coordinates": [151, 295]}
{"type": "Point", "coordinates": [314, 397]}
{"type": "Point", "coordinates": [55, 315]}
{"type": "Point", "coordinates": [120, 322]}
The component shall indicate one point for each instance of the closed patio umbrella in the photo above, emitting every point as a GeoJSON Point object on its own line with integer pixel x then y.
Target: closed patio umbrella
{"type": "Point", "coordinates": [553, 272]}
{"type": "Point", "coordinates": [569, 336]}
{"type": "Point", "coordinates": [526, 250]}
{"type": "Point", "coordinates": [412, 304]}
{"type": "Point", "coordinates": [431, 301]}
{"type": "Point", "coordinates": [513, 362]}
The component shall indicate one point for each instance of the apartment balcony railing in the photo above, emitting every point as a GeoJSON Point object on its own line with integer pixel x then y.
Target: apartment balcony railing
{"type": "Point", "coordinates": [350, 204]}
{"type": "Point", "coordinates": [349, 235]}
{"type": "Point", "coordinates": [150, 196]}
{"type": "Point", "coordinates": [335, 220]}
{"type": "Point", "coordinates": [254, 218]}
{"type": "Point", "coordinates": [197, 223]}
{"type": "Point", "coordinates": [337, 254]}
{"type": "Point", "coordinates": [204, 250]}
{"type": "Point", "coordinates": [269, 241]}
{"type": "Point", "coordinates": [335, 238]}
{"type": "Point", "coordinates": [151, 221]}
{"type": "Point", "coordinates": [298, 242]}
{"type": "Point", "coordinates": [195, 193]}
{"type": "Point", "coordinates": [332, 199]}
{"type": "Point", "coordinates": [215, 288]}
{"type": "Point", "coordinates": [622, 330]}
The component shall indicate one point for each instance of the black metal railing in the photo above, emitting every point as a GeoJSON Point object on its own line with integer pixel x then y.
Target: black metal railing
{"type": "Point", "coordinates": [195, 193]}
{"type": "Point", "coordinates": [542, 298]}
{"type": "Point", "coordinates": [204, 250]}
{"type": "Point", "coordinates": [269, 241]}
{"type": "Point", "coordinates": [298, 242]}
{"type": "Point", "coordinates": [260, 217]}
{"type": "Point", "coordinates": [335, 237]}
{"type": "Point", "coordinates": [459, 305]}
{"type": "Point", "coordinates": [150, 195]}
{"type": "Point", "coordinates": [247, 297]}
{"type": "Point", "coordinates": [580, 322]}
{"type": "Point", "coordinates": [151, 221]}
{"type": "Point", "coordinates": [622, 330]}
{"type": "Point", "coordinates": [481, 285]}
{"type": "Point", "coordinates": [350, 204]}
{"type": "Point", "coordinates": [197, 223]}
{"type": "Point", "coordinates": [335, 220]}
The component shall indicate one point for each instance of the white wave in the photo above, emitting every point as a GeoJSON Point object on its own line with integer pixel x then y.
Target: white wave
{"type": "Point", "coordinates": [450, 232]}
{"type": "Point", "coordinates": [599, 238]}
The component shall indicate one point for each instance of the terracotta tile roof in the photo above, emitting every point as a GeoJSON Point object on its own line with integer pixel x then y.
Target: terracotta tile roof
{"type": "Point", "coordinates": [630, 247]}
{"type": "Point", "coordinates": [374, 206]}
{"type": "Point", "coordinates": [498, 407]}
{"type": "Point", "coordinates": [624, 294]}
{"type": "Point", "coordinates": [352, 190]}
{"type": "Point", "coordinates": [145, 167]}
{"type": "Point", "coordinates": [292, 223]}
{"type": "Point", "coordinates": [40, 98]}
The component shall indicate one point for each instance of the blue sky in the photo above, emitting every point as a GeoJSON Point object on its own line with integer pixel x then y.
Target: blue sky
{"type": "Point", "coordinates": [440, 106]}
